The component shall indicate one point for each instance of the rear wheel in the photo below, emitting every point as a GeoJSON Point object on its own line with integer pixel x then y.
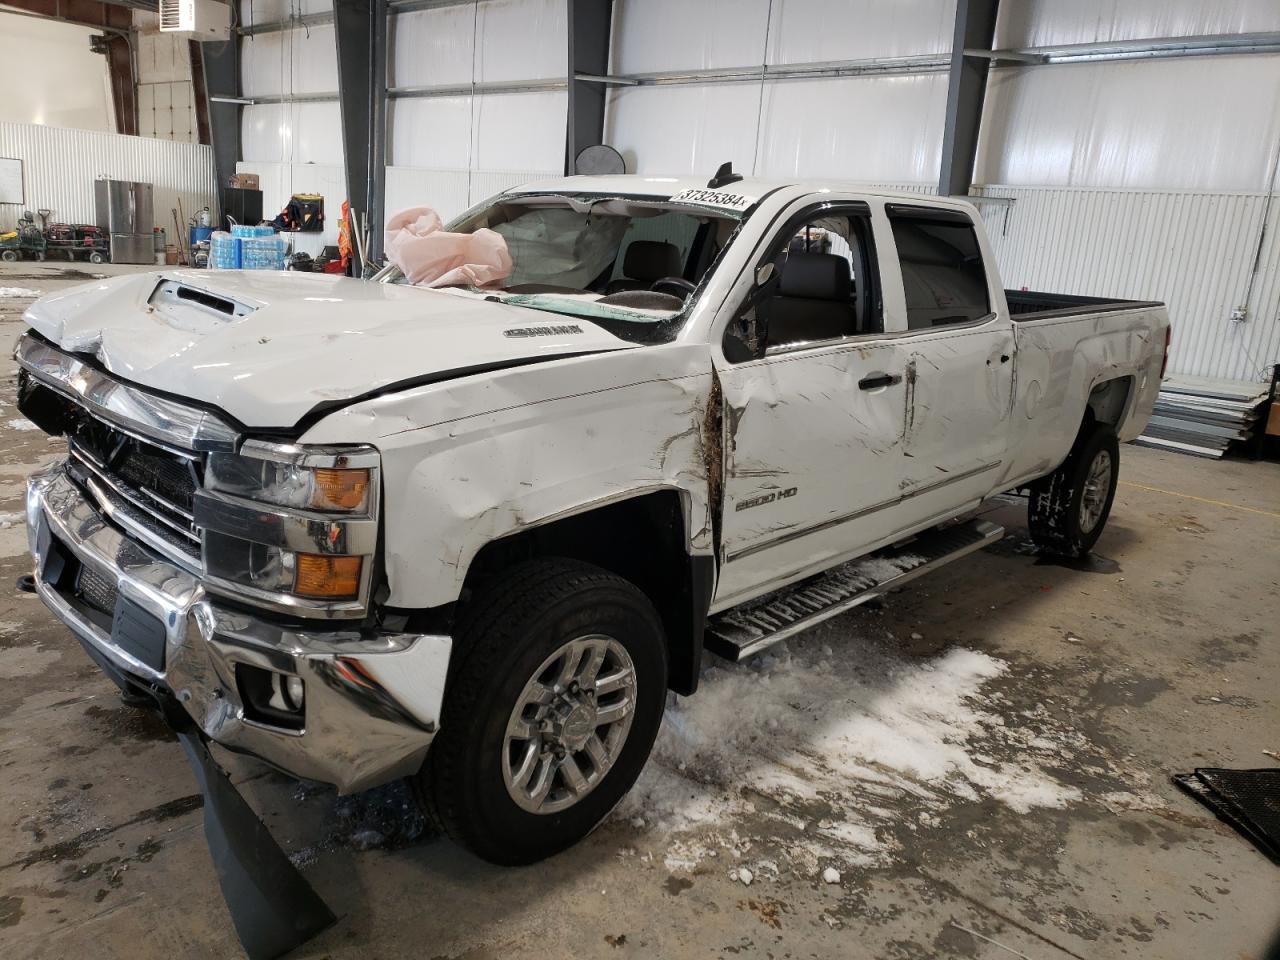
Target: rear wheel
{"type": "Point", "coordinates": [552, 709]}
{"type": "Point", "coordinates": [1068, 509]}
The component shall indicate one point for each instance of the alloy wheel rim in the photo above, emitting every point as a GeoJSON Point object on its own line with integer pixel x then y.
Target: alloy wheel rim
{"type": "Point", "coordinates": [1097, 486]}
{"type": "Point", "coordinates": [569, 724]}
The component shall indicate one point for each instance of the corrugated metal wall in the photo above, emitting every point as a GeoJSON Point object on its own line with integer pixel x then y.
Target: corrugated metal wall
{"type": "Point", "coordinates": [1131, 179]}
{"type": "Point", "coordinates": [1195, 251]}
{"type": "Point", "coordinates": [59, 167]}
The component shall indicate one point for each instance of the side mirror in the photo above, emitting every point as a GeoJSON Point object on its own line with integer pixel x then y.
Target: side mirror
{"type": "Point", "coordinates": [765, 272]}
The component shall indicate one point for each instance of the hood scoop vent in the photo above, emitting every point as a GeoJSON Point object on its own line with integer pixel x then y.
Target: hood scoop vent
{"type": "Point", "coordinates": [178, 299]}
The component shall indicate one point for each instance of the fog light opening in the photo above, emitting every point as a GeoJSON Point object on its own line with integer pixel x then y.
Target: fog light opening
{"type": "Point", "coordinates": [271, 698]}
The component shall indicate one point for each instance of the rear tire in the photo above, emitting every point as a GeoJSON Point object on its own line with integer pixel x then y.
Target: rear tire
{"type": "Point", "coordinates": [1068, 509]}
{"type": "Point", "coordinates": [510, 640]}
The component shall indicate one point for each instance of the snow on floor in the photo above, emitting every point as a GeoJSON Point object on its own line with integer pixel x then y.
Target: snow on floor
{"type": "Point", "coordinates": [839, 751]}
{"type": "Point", "coordinates": [21, 424]}
{"type": "Point", "coordinates": [18, 292]}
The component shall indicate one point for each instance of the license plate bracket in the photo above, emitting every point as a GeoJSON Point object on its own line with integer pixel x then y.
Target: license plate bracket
{"type": "Point", "coordinates": [139, 633]}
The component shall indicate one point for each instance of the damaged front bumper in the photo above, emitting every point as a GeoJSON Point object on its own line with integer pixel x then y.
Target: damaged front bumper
{"type": "Point", "coordinates": [371, 700]}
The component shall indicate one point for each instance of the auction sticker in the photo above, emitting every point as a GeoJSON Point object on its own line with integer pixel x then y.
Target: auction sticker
{"type": "Point", "coordinates": [738, 202]}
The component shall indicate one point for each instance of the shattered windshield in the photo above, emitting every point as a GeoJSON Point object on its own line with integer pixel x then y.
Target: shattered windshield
{"type": "Point", "coordinates": [632, 260]}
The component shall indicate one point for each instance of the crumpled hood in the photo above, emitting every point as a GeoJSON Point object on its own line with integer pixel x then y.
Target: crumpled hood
{"type": "Point", "coordinates": [296, 340]}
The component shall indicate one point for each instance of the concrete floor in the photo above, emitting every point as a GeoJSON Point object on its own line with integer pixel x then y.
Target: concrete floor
{"type": "Point", "coordinates": [1159, 656]}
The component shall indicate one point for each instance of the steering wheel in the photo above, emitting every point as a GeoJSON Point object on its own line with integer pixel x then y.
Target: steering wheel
{"type": "Point", "coordinates": [673, 286]}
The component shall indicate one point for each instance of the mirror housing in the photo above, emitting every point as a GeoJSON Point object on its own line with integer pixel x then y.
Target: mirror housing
{"type": "Point", "coordinates": [765, 272]}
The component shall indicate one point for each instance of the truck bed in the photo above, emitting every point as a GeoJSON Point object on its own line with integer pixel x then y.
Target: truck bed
{"type": "Point", "coordinates": [1034, 305]}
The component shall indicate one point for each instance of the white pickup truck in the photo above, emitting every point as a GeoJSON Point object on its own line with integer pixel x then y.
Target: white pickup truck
{"type": "Point", "coordinates": [365, 530]}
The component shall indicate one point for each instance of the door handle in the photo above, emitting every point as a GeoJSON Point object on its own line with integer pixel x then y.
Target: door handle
{"type": "Point", "coordinates": [877, 380]}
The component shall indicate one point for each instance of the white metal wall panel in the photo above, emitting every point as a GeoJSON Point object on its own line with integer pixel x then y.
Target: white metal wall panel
{"type": "Point", "coordinates": [1041, 23]}
{"type": "Point", "coordinates": [685, 128]}
{"type": "Point", "coordinates": [431, 132]}
{"type": "Point", "coordinates": [804, 31]}
{"type": "Point", "coordinates": [282, 62]}
{"type": "Point", "coordinates": [518, 40]}
{"type": "Point", "coordinates": [521, 40]}
{"type": "Point", "coordinates": [1195, 251]}
{"type": "Point", "coordinates": [497, 131]}
{"type": "Point", "coordinates": [668, 35]}
{"type": "Point", "coordinates": [432, 47]}
{"type": "Point", "coordinates": [273, 11]}
{"type": "Point", "coordinates": [1201, 123]}
{"type": "Point", "coordinates": [291, 133]}
{"type": "Point", "coordinates": [520, 130]}
{"type": "Point", "coordinates": [449, 192]}
{"type": "Point", "coordinates": [819, 128]}
{"type": "Point", "coordinates": [59, 167]}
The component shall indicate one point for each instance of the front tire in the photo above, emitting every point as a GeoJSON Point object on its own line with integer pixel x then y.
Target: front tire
{"type": "Point", "coordinates": [552, 708]}
{"type": "Point", "coordinates": [1068, 509]}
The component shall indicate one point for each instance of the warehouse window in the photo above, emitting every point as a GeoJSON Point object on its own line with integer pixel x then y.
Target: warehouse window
{"type": "Point", "coordinates": [943, 276]}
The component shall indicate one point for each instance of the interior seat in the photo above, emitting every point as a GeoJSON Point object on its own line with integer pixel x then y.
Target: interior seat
{"type": "Point", "coordinates": [646, 261]}
{"type": "Point", "coordinates": [813, 300]}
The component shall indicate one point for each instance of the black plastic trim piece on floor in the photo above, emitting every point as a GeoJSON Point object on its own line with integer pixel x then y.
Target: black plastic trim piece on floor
{"type": "Point", "coordinates": [1247, 800]}
{"type": "Point", "coordinates": [273, 907]}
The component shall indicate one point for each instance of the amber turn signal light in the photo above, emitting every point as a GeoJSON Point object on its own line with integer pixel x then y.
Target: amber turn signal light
{"type": "Point", "coordinates": [339, 489]}
{"type": "Point", "coordinates": [327, 578]}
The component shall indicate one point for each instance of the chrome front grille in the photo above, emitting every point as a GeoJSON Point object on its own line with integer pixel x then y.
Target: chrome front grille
{"type": "Point", "coordinates": [144, 488]}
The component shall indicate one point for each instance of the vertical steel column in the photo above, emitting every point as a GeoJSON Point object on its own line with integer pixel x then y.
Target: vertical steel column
{"type": "Point", "coordinates": [975, 30]}
{"type": "Point", "coordinates": [590, 22]}
{"type": "Point", "coordinates": [222, 79]}
{"type": "Point", "coordinates": [360, 27]}
{"type": "Point", "coordinates": [378, 130]}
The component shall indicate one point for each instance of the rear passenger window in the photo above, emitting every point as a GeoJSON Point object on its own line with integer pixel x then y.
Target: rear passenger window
{"type": "Point", "coordinates": [942, 271]}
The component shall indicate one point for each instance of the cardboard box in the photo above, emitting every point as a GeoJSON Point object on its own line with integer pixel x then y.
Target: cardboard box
{"type": "Point", "coordinates": [243, 181]}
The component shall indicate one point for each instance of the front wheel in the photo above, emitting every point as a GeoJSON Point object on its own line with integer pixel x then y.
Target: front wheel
{"type": "Point", "coordinates": [9, 256]}
{"type": "Point", "coordinates": [551, 710]}
{"type": "Point", "coordinates": [1068, 509]}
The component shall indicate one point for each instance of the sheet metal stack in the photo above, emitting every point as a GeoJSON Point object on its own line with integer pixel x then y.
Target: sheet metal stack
{"type": "Point", "coordinates": [1204, 417]}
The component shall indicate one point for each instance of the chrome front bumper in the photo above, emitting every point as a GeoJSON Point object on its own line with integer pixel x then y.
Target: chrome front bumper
{"type": "Point", "coordinates": [372, 703]}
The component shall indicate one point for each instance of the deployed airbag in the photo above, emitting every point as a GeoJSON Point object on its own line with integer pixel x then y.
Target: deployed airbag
{"type": "Point", "coordinates": [430, 256]}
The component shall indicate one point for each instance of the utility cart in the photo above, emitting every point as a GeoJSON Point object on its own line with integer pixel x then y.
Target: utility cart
{"type": "Point", "coordinates": [25, 242]}
{"type": "Point", "coordinates": [78, 241]}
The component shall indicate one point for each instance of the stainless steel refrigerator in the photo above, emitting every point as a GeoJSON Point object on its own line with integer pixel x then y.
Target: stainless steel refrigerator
{"type": "Point", "coordinates": [124, 212]}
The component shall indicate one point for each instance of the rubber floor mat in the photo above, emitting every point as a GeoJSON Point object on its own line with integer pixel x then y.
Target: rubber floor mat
{"type": "Point", "coordinates": [1248, 800]}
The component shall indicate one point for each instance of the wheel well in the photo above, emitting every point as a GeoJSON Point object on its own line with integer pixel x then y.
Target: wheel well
{"type": "Point", "coordinates": [641, 539]}
{"type": "Point", "coordinates": [1108, 401]}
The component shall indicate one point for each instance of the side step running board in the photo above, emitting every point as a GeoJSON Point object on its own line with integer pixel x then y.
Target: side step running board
{"type": "Point", "coordinates": [747, 629]}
